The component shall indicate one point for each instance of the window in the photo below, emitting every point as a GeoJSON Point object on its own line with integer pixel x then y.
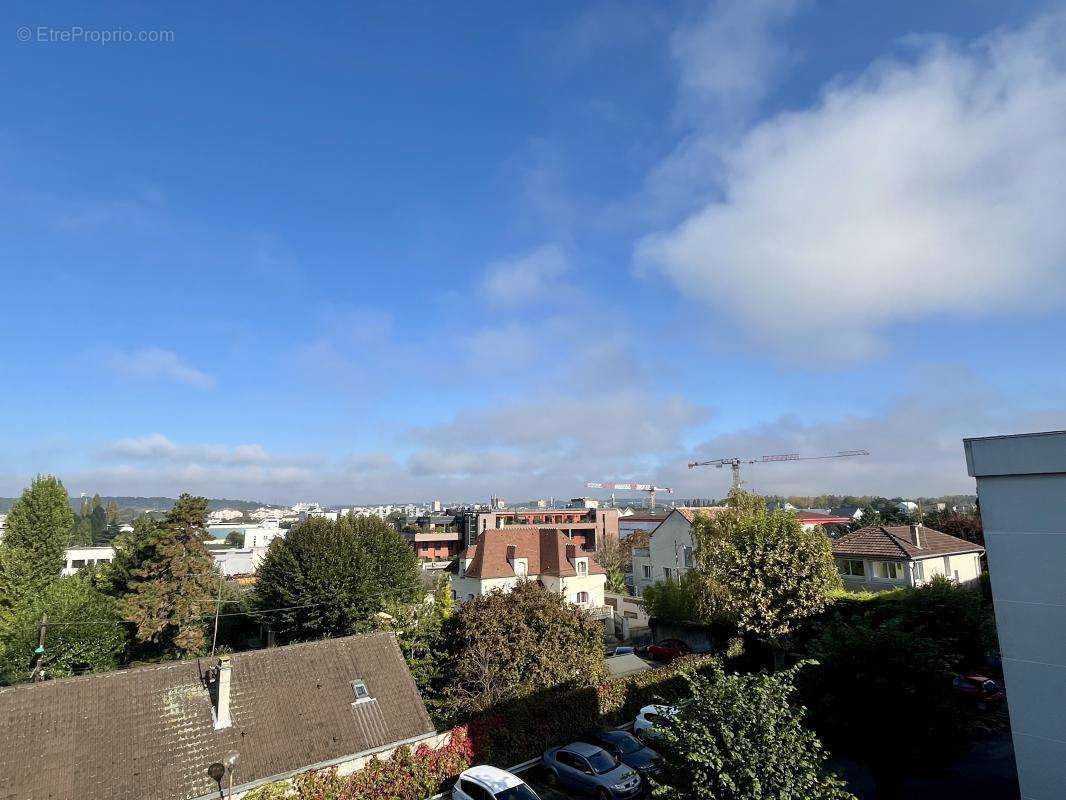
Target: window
{"type": "Point", "coordinates": [853, 566]}
{"type": "Point", "coordinates": [521, 567]}
{"type": "Point", "coordinates": [582, 597]}
{"type": "Point", "coordinates": [919, 571]}
{"type": "Point", "coordinates": [78, 563]}
{"type": "Point", "coordinates": [687, 560]}
{"type": "Point", "coordinates": [668, 573]}
{"type": "Point", "coordinates": [888, 570]}
{"type": "Point", "coordinates": [646, 570]}
{"type": "Point", "coordinates": [582, 566]}
{"type": "Point", "coordinates": [362, 694]}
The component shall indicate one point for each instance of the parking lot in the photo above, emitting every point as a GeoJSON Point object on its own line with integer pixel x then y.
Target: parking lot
{"type": "Point", "coordinates": [535, 778]}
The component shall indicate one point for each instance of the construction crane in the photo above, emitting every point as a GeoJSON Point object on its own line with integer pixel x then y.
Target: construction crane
{"type": "Point", "coordinates": [632, 487]}
{"type": "Point", "coordinates": [736, 462]}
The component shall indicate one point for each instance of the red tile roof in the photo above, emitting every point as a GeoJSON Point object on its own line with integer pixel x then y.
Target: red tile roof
{"type": "Point", "coordinates": [547, 552]}
{"type": "Point", "coordinates": [898, 542]}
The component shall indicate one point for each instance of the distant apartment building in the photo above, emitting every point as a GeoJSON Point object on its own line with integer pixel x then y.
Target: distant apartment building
{"type": "Point", "coordinates": [80, 557]}
{"type": "Point", "coordinates": [589, 528]}
{"type": "Point", "coordinates": [1021, 484]}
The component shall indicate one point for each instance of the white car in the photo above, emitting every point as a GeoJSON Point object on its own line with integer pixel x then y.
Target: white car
{"type": "Point", "coordinates": [489, 783]}
{"type": "Point", "coordinates": [647, 718]}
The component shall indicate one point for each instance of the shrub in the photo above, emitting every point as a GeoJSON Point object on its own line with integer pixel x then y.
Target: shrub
{"type": "Point", "coordinates": [405, 775]}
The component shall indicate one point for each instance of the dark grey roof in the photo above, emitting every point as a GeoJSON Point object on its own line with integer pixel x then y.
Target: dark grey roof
{"type": "Point", "coordinates": [147, 733]}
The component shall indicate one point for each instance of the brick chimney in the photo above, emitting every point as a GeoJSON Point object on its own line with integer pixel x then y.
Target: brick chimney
{"type": "Point", "coordinates": [571, 552]}
{"type": "Point", "coordinates": [512, 554]}
{"type": "Point", "coordinates": [223, 674]}
{"type": "Point", "coordinates": [916, 534]}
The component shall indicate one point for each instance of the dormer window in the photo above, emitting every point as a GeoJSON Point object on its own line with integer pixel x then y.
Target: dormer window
{"type": "Point", "coordinates": [362, 694]}
{"type": "Point", "coordinates": [582, 566]}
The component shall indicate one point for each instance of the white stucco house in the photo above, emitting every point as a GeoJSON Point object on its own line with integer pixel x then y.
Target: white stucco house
{"type": "Point", "coordinates": [882, 557]}
{"type": "Point", "coordinates": [670, 552]}
{"type": "Point", "coordinates": [80, 557]}
{"type": "Point", "coordinates": [502, 557]}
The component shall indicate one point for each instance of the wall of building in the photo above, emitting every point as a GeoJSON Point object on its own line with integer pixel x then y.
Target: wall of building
{"type": "Point", "coordinates": [81, 557]}
{"type": "Point", "coordinates": [1021, 483]}
{"type": "Point", "coordinates": [669, 544]}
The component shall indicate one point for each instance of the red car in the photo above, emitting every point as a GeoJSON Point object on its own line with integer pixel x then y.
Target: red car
{"type": "Point", "coordinates": [668, 650]}
{"type": "Point", "coordinates": [985, 692]}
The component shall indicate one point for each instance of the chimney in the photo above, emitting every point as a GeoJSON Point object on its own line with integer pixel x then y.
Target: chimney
{"type": "Point", "coordinates": [916, 534]}
{"type": "Point", "coordinates": [571, 552]}
{"type": "Point", "coordinates": [512, 554]}
{"type": "Point", "coordinates": [222, 686]}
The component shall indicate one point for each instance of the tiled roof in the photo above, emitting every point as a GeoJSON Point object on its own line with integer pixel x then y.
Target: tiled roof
{"type": "Point", "coordinates": [147, 733]}
{"type": "Point", "coordinates": [547, 552]}
{"type": "Point", "coordinates": [690, 512]}
{"type": "Point", "coordinates": [898, 542]}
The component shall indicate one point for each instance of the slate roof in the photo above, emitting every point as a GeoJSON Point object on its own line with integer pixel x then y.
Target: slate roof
{"type": "Point", "coordinates": [547, 552]}
{"type": "Point", "coordinates": [898, 542]}
{"type": "Point", "coordinates": [147, 733]}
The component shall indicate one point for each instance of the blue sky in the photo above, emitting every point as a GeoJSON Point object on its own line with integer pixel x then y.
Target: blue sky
{"type": "Point", "coordinates": [384, 251]}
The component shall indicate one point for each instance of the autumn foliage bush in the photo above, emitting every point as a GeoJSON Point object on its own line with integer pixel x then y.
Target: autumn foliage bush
{"type": "Point", "coordinates": [406, 775]}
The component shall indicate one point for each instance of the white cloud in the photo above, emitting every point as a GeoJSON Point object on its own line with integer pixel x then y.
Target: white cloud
{"type": "Point", "coordinates": [153, 363]}
{"type": "Point", "coordinates": [519, 281]}
{"type": "Point", "coordinates": [728, 57]}
{"type": "Point", "coordinates": [925, 187]}
{"type": "Point", "coordinates": [157, 447]}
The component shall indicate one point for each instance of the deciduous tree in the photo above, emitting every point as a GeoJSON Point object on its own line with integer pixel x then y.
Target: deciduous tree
{"type": "Point", "coordinates": [85, 632]}
{"type": "Point", "coordinates": [508, 645]}
{"type": "Point", "coordinates": [741, 739]}
{"type": "Point", "coordinates": [760, 568]}
{"type": "Point", "coordinates": [337, 575]}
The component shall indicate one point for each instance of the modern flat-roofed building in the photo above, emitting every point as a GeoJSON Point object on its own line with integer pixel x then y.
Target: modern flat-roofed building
{"type": "Point", "coordinates": [1021, 487]}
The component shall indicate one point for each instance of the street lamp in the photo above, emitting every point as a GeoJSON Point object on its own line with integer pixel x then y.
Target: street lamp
{"type": "Point", "coordinates": [230, 760]}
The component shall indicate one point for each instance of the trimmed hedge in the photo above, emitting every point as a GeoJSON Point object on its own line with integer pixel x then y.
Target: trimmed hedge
{"type": "Point", "coordinates": [523, 730]}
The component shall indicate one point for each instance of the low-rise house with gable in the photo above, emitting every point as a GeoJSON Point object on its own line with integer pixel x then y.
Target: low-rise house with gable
{"type": "Point", "coordinates": [503, 557]}
{"type": "Point", "coordinates": [883, 557]}
{"type": "Point", "coordinates": [151, 733]}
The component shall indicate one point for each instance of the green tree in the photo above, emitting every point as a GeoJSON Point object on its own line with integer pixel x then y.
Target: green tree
{"type": "Point", "coordinates": [741, 739]}
{"type": "Point", "coordinates": [443, 599]}
{"type": "Point", "coordinates": [760, 569]}
{"type": "Point", "coordinates": [98, 520]}
{"type": "Point", "coordinates": [112, 511]}
{"type": "Point", "coordinates": [131, 551]}
{"type": "Point", "coordinates": [674, 601]}
{"type": "Point", "coordinates": [174, 586]}
{"type": "Point", "coordinates": [235, 539]}
{"type": "Point", "coordinates": [886, 666]}
{"type": "Point", "coordinates": [508, 645]}
{"type": "Point", "coordinates": [69, 648]}
{"type": "Point", "coordinates": [332, 577]}
{"type": "Point", "coordinates": [81, 535]}
{"type": "Point", "coordinates": [35, 542]}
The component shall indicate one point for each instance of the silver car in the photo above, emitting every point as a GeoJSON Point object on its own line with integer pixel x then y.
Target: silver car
{"type": "Point", "coordinates": [590, 770]}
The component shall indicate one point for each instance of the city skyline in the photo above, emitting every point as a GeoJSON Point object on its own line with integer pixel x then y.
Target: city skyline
{"type": "Point", "coordinates": [510, 250]}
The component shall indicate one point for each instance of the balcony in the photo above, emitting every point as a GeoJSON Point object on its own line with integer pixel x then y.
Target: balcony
{"type": "Point", "coordinates": [597, 612]}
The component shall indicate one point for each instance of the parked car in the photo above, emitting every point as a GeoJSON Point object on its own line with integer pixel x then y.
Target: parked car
{"type": "Point", "coordinates": [985, 692]}
{"type": "Point", "coordinates": [668, 650]}
{"type": "Point", "coordinates": [591, 770]}
{"type": "Point", "coordinates": [628, 749]}
{"type": "Point", "coordinates": [649, 716]}
{"type": "Point", "coordinates": [623, 650]}
{"type": "Point", "coordinates": [490, 783]}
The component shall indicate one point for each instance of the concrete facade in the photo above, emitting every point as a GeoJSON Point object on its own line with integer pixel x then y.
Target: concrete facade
{"type": "Point", "coordinates": [1021, 485]}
